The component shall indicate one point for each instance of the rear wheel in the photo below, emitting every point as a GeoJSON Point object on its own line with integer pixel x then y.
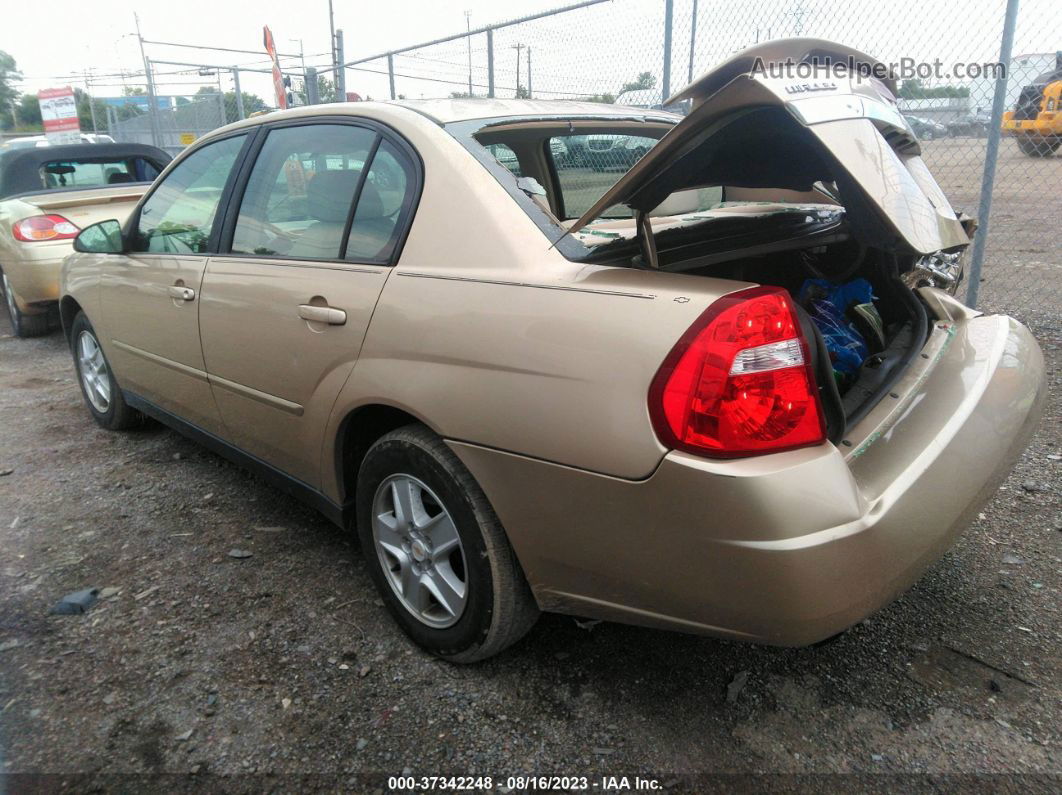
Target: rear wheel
{"type": "Point", "coordinates": [101, 392]}
{"type": "Point", "coordinates": [436, 550]}
{"type": "Point", "coordinates": [1037, 147]}
{"type": "Point", "coordinates": [22, 324]}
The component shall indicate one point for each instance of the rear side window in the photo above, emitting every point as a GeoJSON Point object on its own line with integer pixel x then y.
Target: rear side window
{"type": "Point", "coordinates": [506, 156]}
{"type": "Point", "coordinates": [588, 165]}
{"type": "Point", "coordinates": [178, 216]}
{"type": "Point", "coordinates": [95, 172]}
{"type": "Point", "coordinates": [300, 198]}
{"type": "Point", "coordinates": [385, 200]}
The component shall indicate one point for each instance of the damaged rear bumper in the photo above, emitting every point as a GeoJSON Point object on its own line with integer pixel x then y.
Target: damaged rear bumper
{"type": "Point", "coordinates": [790, 548]}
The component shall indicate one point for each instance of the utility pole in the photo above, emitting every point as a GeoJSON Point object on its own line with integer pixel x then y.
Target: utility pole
{"type": "Point", "coordinates": [529, 71]}
{"type": "Point", "coordinates": [91, 101]}
{"type": "Point", "coordinates": [518, 46]}
{"type": "Point", "coordinates": [332, 34]}
{"type": "Point", "coordinates": [468, 38]}
{"type": "Point", "coordinates": [341, 78]}
{"type": "Point", "coordinates": [312, 97]}
{"type": "Point", "coordinates": [240, 115]}
{"type": "Point", "coordinates": [153, 106]}
{"type": "Point", "coordinates": [302, 55]}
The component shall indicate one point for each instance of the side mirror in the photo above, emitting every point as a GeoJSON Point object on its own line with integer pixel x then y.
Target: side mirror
{"type": "Point", "coordinates": [104, 237]}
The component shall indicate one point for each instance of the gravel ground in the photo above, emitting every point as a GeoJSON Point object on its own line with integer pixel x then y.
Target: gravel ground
{"type": "Point", "coordinates": [283, 670]}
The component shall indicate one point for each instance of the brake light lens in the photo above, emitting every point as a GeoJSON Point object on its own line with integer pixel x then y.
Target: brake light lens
{"type": "Point", "coordinates": [44, 227]}
{"type": "Point", "coordinates": [740, 381]}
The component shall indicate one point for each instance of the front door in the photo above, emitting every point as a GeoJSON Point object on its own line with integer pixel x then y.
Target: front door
{"type": "Point", "coordinates": [151, 295]}
{"type": "Point", "coordinates": [284, 313]}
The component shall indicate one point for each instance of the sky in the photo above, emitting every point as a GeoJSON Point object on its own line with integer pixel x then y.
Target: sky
{"type": "Point", "coordinates": [582, 52]}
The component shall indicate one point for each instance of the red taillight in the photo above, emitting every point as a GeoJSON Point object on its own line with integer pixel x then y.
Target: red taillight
{"type": "Point", "coordinates": [739, 382]}
{"type": "Point", "coordinates": [44, 227]}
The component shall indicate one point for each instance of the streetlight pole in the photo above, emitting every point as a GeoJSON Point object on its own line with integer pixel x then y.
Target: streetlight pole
{"type": "Point", "coordinates": [468, 27]}
{"type": "Point", "coordinates": [153, 108]}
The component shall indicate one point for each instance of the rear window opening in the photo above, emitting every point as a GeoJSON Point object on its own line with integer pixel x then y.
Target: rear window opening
{"type": "Point", "coordinates": [95, 172]}
{"type": "Point", "coordinates": [753, 198]}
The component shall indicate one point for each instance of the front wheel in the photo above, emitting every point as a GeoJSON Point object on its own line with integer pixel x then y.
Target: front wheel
{"type": "Point", "coordinates": [1037, 147]}
{"type": "Point", "coordinates": [23, 325]}
{"type": "Point", "coordinates": [437, 552]}
{"type": "Point", "coordinates": [98, 387]}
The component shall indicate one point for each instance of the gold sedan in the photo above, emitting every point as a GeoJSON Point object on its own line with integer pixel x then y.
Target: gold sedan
{"type": "Point", "coordinates": [726, 391]}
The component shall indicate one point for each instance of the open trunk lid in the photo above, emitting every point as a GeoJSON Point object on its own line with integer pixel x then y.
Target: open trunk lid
{"type": "Point", "coordinates": [756, 124]}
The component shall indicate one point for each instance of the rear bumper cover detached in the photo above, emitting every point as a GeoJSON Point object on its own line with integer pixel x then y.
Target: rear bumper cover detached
{"type": "Point", "coordinates": [791, 548]}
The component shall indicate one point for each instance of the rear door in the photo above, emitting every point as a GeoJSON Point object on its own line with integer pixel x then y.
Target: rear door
{"type": "Point", "coordinates": [150, 296]}
{"type": "Point", "coordinates": [285, 309]}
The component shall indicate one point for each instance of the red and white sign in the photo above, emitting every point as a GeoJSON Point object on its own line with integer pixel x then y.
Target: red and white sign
{"type": "Point", "coordinates": [59, 114]}
{"type": "Point", "coordinates": [278, 78]}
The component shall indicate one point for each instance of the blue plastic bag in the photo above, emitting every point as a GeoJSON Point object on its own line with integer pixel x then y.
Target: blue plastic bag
{"type": "Point", "coordinates": [828, 304]}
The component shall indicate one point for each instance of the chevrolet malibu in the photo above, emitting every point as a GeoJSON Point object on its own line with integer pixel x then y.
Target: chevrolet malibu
{"type": "Point", "coordinates": [727, 392]}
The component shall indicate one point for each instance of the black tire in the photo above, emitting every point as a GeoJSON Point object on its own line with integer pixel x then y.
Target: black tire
{"type": "Point", "coordinates": [499, 607]}
{"type": "Point", "coordinates": [1037, 147]}
{"type": "Point", "coordinates": [23, 325]}
{"type": "Point", "coordinates": [117, 414]}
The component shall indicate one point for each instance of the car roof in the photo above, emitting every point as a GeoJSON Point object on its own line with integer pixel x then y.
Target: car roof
{"type": "Point", "coordinates": [446, 111]}
{"type": "Point", "coordinates": [19, 167]}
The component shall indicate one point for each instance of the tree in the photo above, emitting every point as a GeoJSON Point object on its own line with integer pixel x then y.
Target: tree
{"type": "Point", "coordinates": [605, 98]}
{"type": "Point", "coordinates": [85, 106]}
{"type": "Point", "coordinates": [9, 76]}
{"type": "Point", "coordinates": [326, 90]}
{"type": "Point", "coordinates": [28, 112]}
{"type": "Point", "coordinates": [645, 80]}
{"type": "Point", "coordinates": [913, 89]}
{"type": "Point", "coordinates": [521, 92]}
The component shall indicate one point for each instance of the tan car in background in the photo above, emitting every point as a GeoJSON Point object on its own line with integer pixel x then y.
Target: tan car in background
{"type": "Point", "coordinates": [47, 195]}
{"type": "Point", "coordinates": [532, 385]}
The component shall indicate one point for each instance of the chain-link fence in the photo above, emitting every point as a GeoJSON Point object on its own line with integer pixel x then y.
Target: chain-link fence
{"type": "Point", "coordinates": [614, 51]}
{"type": "Point", "coordinates": [177, 126]}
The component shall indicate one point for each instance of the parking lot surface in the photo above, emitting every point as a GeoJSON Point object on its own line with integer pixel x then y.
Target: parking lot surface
{"type": "Point", "coordinates": [283, 661]}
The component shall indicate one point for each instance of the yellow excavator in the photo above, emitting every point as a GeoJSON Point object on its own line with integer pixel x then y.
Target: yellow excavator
{"type": "Point", "coordinates": [1036, 121]}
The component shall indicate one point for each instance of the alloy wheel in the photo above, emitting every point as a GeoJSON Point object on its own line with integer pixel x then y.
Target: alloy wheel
{"type": "Point", "coordinates": [92, 368]}
{"type": "Point", "coordinates": [420, 551]}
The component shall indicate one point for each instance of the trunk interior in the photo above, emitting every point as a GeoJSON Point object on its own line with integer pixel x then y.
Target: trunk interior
{"type": "Point", "coordinates": [888, 349]}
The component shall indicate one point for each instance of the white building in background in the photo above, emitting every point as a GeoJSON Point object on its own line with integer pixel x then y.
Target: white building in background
{"type": "Point", "coordinates": [1024, 69]}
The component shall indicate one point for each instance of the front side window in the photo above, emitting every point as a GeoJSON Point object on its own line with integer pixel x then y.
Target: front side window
{"type": "Point", "coordinates": [178, 216]}
{"type": "Point", "coordinates": [95, 172]}
{"type": "Point", "coordinates": [301, 190]}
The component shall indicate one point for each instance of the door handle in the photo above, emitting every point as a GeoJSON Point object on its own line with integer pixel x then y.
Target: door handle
{"type": "Point", "coordinates": [323, 314]}
{"type": "Point", "coordinates": [182, 293]}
